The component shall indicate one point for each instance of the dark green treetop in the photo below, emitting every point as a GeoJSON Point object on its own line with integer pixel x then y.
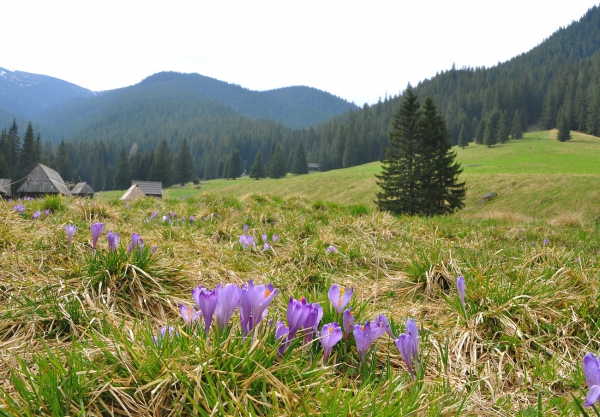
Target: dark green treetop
{"type": "Point", "coordinates": [184, 164]}
{"type": "Point", "coordinates": [258, 168]}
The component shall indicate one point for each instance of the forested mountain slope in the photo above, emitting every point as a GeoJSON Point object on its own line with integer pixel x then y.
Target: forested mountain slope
{"type": "Point", "coordinates": [531, 87]}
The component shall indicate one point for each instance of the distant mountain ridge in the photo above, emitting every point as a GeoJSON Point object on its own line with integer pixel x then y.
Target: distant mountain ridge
{"type": "Point", "coordinates": [24, 94]}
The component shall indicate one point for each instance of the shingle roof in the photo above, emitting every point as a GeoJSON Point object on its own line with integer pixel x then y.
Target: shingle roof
{"type": "Point", "coordinates": [44, 180]}
{"type": "Point", "coordinates": [152, 188]}
{"type": "Point", "coordinates": [82, 188]}
{"type": "Point", "coordinates": [5, 187]}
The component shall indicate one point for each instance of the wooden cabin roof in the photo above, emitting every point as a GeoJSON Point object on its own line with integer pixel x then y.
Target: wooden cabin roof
{"type": "Point", "coordinates": [133, 192]}
{"type": "Point", "coordinates": [151, 188]}
{"type": "Point", "coordinates": [82, 188]}
{"type": "Point", "coordinates": [43, 180]}
{"type": "Point", "coordinates": [5, 188]}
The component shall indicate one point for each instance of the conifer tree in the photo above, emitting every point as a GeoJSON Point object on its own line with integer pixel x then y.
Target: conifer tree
{"type": "Point", "coordinates": [258, 168]}
{"type": "Point", "coordinates": [299, 161]}
{"type": "Point", "coordinates": [14, 148]}
{"type": "Point", "coordinates": [27, 156]}
{"type": "Point", "coordinates": [122, 179]}
{"type": "Point", "coordinates": [277, 163]}
{"type": "Point", "coordinates": [162, 165]}
{"type": "Point", "coordinates": [489, 134]}
{"type": "Point", "coordinates": [63, 162]}
{"type": "Point", "coordinates": [480, 131]}
{"type": "Point", "coordinates": [234, 165]}
{"type": "Point", "coordinates": [419, 175]}
{"type": "Point", "coordinates": [503, 128]}
{"type": "Point", "coordinates": [184, 164]}
{"type": "Point", "coordinates": [564, 132]}
{"type": "Point", "coordinates": [516, 130]}
{"type": "Point", "coordinates": [463, 140]}
{"type": "Point", "coordinates": [351, 156]}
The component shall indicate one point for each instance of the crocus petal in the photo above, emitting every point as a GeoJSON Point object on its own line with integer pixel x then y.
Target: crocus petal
{"type": "Point", "coordinates": [591, 369]}
{"type": "Point", "coordinates": [413, 331]}
{"type": "Point", "coordinates": [281, 330]}
{"type": "Point", "coordinates": [404, 345]}
{"type": "Point", "coordinates": [228, 298]}
{"type": "Point", "coordinates": [460, 286]}
{"type": "Point", "coordinates": [330, 334]}
{"type": "Point", "coordinates": [348, 320]}
{"type": "Point", "coordinates": [592, 396]}
{"type": "Point", "coordinates": [189, 314]}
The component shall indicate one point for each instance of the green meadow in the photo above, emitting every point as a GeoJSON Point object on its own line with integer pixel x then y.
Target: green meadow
{"type": "Point", "coordinates": [77, 325]}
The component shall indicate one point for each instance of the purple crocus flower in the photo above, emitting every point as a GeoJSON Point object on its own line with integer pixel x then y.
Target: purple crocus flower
{"type": "Point", "coordinates": [192, 219]}
{"type": "Point", "coordinates": [96, 229]}
{"type": "Point", "coordinates": [591, 369]}
{"type": "Point", "coordinates": [245, 227]}
{"type": "Point", "coordinates": [364, 337]}
{"type": "Point", "coordinates": [113, 240]}
{"type": "Point", "coordinates": [460, 286]}
{"type": "Point", "coordinates": [70, 230]}
{"type": "Point", "coordinates": [340, 297]}
{"type": "Point", "coordinates": [153, 249]}
{"type": "Point", "coordinates": [20, 208]}
{"type": "Point", "coordinates": [281, 333]}
{"type": "Point", "coordinates": [189, 314]}
{"type": "Point", "coordinates": [47, 212]}
{"type": "Point", "coordinates": [275, 237]}
{"type": "Point", "coordinates": [154, 215]}
{"type": "Point", "coordinates": [206, 300]}
{"type": "Point", "coordinates": [135, 241]}
{"type": "Point", "coordinates": [37, 214]}
{"type": "Point", "coordinates": [228, 298]}
{"type": "Point", "coordinates": [348, 321]}
{"type": "Point", "coordinates": [254, 301]}
{"type": "Point", "coordinates": [404, 344]}
{"type": "Point", "coordinates": [381, 325]}
{"type": "Point", "coordinates": [266, 247]}
{"type": "Point", "coordinates": [331, 249]}
{"type": "Point", "coordinates": [162, 334]}
{"type": "Point", "coordinates": [297, 313]}
{"type": "Point", "coordinates": [330, 334]}
{"type": "Point", "coordinates": [413, 331]}
{"type": "Point", "coordinates": [546, 241]}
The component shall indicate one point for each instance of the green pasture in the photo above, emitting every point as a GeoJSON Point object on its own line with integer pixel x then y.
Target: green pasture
{"type": "Point", "coordinates": [537, 177]}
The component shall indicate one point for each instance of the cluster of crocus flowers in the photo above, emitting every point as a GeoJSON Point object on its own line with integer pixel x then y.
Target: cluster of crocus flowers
{"type": "Point", "coordinates": [136, 242]}
{"type": "Point", "coordinates": [113, 240]}
{"type": "Point", "coordinates": [252, 300]}
{"type": "Point", "coordinates": [301, 316]}
{"type": "Point", "coordinates": [20, 208]}
{"type": "Point", "coordinates": [37, 214]}
{"type": "Point", "coordinates": [265, 239]}
{"type": "Point", "coordinates": [408, 345]}
{"type": "Point", "coordinates": [366, 334]}
{"type": "Point", "coordinates": [246, 240]}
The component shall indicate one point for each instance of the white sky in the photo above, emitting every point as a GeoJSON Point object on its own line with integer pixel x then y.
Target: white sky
{"type": "Point", "coordinates": [358, 50]}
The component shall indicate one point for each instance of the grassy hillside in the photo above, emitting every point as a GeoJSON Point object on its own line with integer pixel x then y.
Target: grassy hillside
{"type": "Point", "coordinates": [537, 177]}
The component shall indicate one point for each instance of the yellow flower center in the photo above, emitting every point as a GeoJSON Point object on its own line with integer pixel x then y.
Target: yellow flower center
{"type": "Point", "coordinates": [330, 330]}
{"type": "Point", "coordinates": [267, 293]}
{"type": "Point", "coordinates": [342, 289]}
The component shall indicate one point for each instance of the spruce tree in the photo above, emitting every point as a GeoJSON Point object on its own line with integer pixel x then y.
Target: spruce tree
{"type": "Point", "coordinates": [564, 132]}
{"type": "Point", "coordinates": [489, 134]}
{"type": "Point", "coordinates": [122, 178]}
{"type": "Point", "coordinates": [63, 162]}
{"type": "Point", "coordinates": [162, 165]}
{"type": "Point", "coordinates": [277, 163]}
{"type": "Point", "coordinates": [27, 156]}
{"type": "Point", "coordinates": [299, 161]}
{"type": "Point", "coordinates": [503, 129]}
{"type": "Point", "coordinates": [400, 171]}
{"type": "Point", "coordinates": [14, 148]}
{"type": "Point", "coordinates": [479, 132]}
{"type": "Point", "coordinates": [258, 168]}
{"type": "Point", "coordinates": [516, 130]}
{"type": "Point", "coordinates": [463, 140]}
{"type": "Point", "coordinates": [184, 164]}
{"type": "Point", "coordinates": [236, 166]}
{"type": "Point", "coordinates": [419, 174]}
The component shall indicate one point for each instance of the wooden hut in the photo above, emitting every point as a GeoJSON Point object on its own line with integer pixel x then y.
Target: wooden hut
{"type": "Point", "coordinates": [5, 188]}
{"type": "Point", "coordinates": [41, 181]}
{"type": "Point", "coordinates": [150, 188]}
{"type": "Point", "coordinates": [134, 192]}
{"type": "Point", "coordinates": [82, 189]}
{"type": "Point", "coordinates": [313, 167]}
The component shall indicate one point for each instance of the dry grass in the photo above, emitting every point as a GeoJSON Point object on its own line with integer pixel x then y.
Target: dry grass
{"type": "Point", "coordinates": [531, 308]}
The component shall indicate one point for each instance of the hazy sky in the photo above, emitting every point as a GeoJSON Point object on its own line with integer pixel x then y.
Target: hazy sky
{"type": "Point", "coordinates": [358, 50]}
